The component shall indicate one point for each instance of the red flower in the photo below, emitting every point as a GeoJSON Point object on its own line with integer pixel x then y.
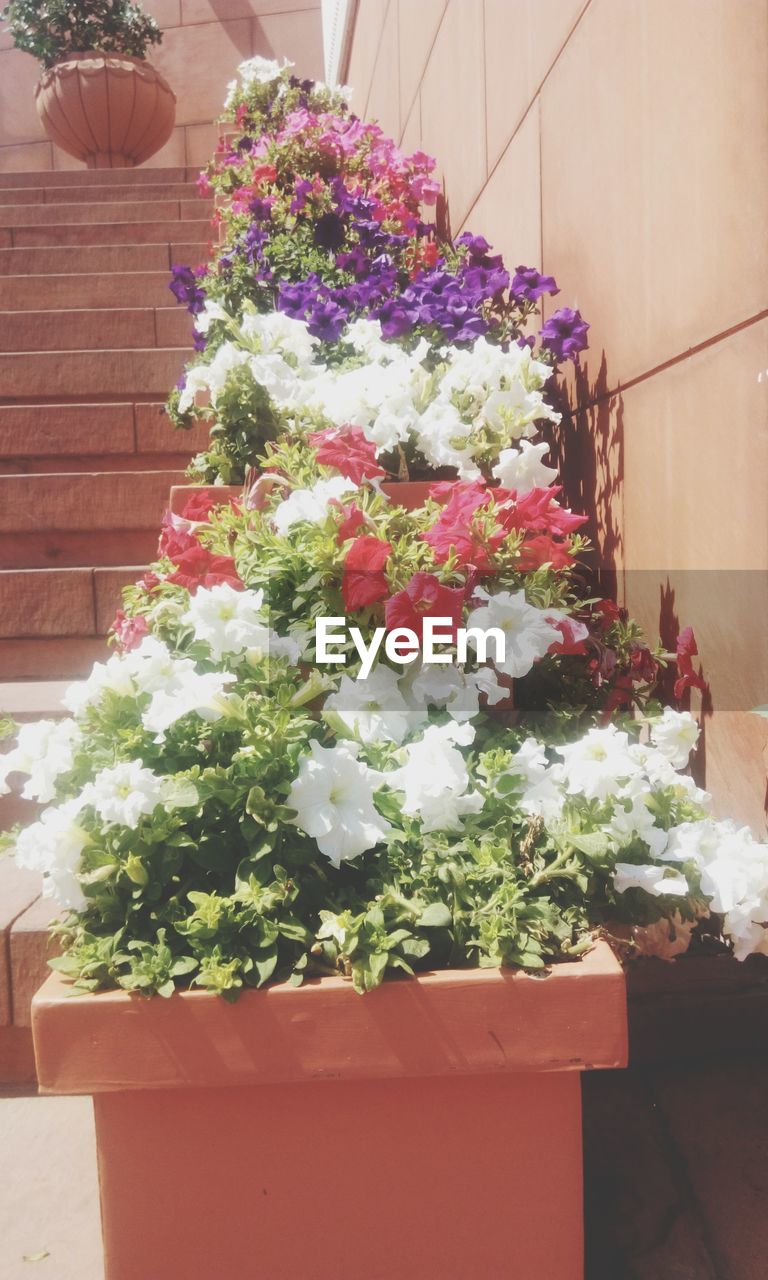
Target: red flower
{"type": "Point", "coordinates": [149, 581]}
{"type": "Point", "coordinates": [352, 519]}
{"type": "Point", "coordinates": [425, 596]}
{"type": "Point", "coordinates": [198, 567]}
{"type": "Point", "coordinates": [537, 511]}
{"type": "Point", "coordinates": [606, 613]}
{"type": "Point", "coordinates": [574, 635]}
{"type": "Point", "coordinates": [129, 632]}
{"type": "Point", "coordinates": [454, 530]}
{"type": "Point", "coordinates": [542, 549]}
{"type": "Point", "coordinates": [347, 449]}
{"type": "Point", "coordinates": [642, 664]}
{"type": "Point", "coordinates": [687, 650]}
{"type": "Point", "coordinates": [200, 505]}
{"type": "Point", "coordinates": [619, 696]}
{"type": "Point", "coordinates": [364, 580]}
{"type": "Point", "coordinates": [176, 536]}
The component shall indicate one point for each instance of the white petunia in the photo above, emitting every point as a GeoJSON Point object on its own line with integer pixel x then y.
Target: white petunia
{"type": "Point", "coordinates": [127, 791]}
{"type": "Point", "coordinates": [657, 881]}
{"type": "Point", "coordinates": [258, 70]}
{"type": "Point", "coordinates": [527, 633]}
{"type": "Point", "coordinates": [54, 846]}
{"type": "Point", "coordinates": [523, 469]}
{"type": "Point", "coordinates": [435, 778]}
{"type": "Point", "coordinates": [203, 695]}
{"type": "Point", "coordinates": [541, 793]}
{"type": "Point", "coordinates": [227, 621]}
{"type": "Point", "coordinates": [373, 708]}
{"type": "Point", "coordinates": [211, 377]}
{"type": "Point", "coordinates": [675, 734]}
{"type": "Point", "coordinates": [45, 749]}
{"type": "Point", "coordinates": [333, 799]}
{"type": "Point", "coordinates": [310, 506]}
{"type": "Point", "coordinates": [598, 764]}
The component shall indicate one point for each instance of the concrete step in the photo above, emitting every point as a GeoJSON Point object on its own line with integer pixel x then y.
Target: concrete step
{"type": "Point", "coordinates": [38, 431]}
{"type": "Point", "coordinates": [55, 603]}
{"type": "Point", "coordinates": [85, 501]}
{"type": "Point", "coordinates": [88, 374]}
{"type": "Point", "coordinates": [93, 194]}
{"type": "Point", "coordinates": [88, 177]}
{"type": "Point", "coordinates": [91, 329]}
{"type": "Point", "coordinates": [119, 258]}
{"type": "Point", "coordinates": [51, 657]}
{"type": "Point", "coordinates": [172, 231]}
{"type": "Point", "coordinates": [25, 700]}
{"type": "Point", "coordinates": [86, 289]}
{"type": "Point", "coordinates": [38, 215]}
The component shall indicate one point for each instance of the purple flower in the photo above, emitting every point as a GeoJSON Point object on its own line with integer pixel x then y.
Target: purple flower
{"type": "Point", "coordinates": [329, 231]}
{"type": "Point", "coordinates": [302, 188]}
{"type": "Point", "coordinates": [565, 334]}
{"type": "Point", "coordinates": [528, 285]}
{"type": "Point", "coordinates": [261, 209]}
{"type": "Point", "coordinates": [326, 320]}
{"type": "Point", "coordinates": [185, 288]}
{"type": "Point", "coordinates": [354, 261]}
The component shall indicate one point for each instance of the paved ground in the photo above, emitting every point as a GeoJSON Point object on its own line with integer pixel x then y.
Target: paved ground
{"type": "Point", "coordinates": [676, 1178]}
{"type": "Point", "coordinates": [49, 1203]}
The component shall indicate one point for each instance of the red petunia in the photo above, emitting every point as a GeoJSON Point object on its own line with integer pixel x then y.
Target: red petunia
{"type": "Point", "coordinates": [200, 505]}
{"type": "Point", "coordinates": [542, 549]}
{"type": "Point", "coordinates": [537, 512]}
{"type": "Point", "coordinates": [199, 567]}
{"type": "Point", "coordinates": [176, 536]}
{"type": "Point", "coordinates": [643, 665]}
{"type": "Point", "coordinates": [364, 580]}
{"type": "Point", "coordinates": [687, 650]}
{"type": "Point", "coordinates": [454, 531]}
{"type": "Point", "coordinates": [129, 632]}
{"type": "Point", "coordinates": [352, 520]}
{"type": "Point", "coordinates": [425, 596]}
{"type": "Point", "coordinates": [347, 449]}
{"type": "Point", "coordinates": [574, 633]}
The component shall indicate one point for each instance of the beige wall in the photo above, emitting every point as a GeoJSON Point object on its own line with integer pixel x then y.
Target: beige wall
{"type": "Point", "coordinates": [622, 145]}
{"type": "Point", "coordinates": [203, 42]}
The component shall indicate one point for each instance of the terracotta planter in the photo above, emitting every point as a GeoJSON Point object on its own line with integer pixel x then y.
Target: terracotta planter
{"type": "Point", "coordinates": [110, 110]}
{"type": "Point", "coordinates": [430, 1129]}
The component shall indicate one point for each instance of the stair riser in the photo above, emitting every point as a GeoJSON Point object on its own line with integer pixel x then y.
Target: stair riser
{"type": "Point", "coordinates": [20, 263]}
{"type": "Point", "coordinates": [97, 194]}
{"type": "Point", "coordinates": [110, 233]}
{"type": "Point", "coordinates": [78, 502]}
{"type": "Point", "coordinates": [63, 658]}
{"type": "Point", "coordinates": [49, 603]}
{"type": "Point", "coordinates": [105, 177]}
{"type": "Point", "coordinates": [29, 433]}
{"type": "Point", "coordinates": [108, 330]}
{"type": "Point", "coordinates": [38, 215]}
{"type": "Point", "coordinates": [77, 550]}
{"type": "Point", "coordinates": [54, 292]}
{"type": "Point", "coordinates": [134, 462]}
{"type": "Point", "coordinates": [85, 373]}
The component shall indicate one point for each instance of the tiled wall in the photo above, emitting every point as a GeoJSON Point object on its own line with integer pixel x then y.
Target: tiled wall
{"type": "Point", "coordinates": [203, 42]}
{"type": "Point", "coordinates": [622, 146]}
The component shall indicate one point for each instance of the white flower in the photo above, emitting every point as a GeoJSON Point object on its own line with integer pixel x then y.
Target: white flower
{"type": "Point", "coordinates": [675, 735]}
{"type": "Point", "coordinates": [373, 708]}
{"type": "Point", "coordinates": [435, 778]}
{"type": "Point", "coordinates": [54, 846]}
{"type": "Point", "coordinates": [598, 764]}
{"type": "Point", "coordinates": [202, 695]}
{"type": "Point", "coordinates": [541, 795]}
{"type": "Point", "coordinates": [44, 750]}
{"type": "Point", "coordinates": [258, 70]}
{"type": "Point", "coordinates": [333, 799]}
{"type": "Point", "coordinates": [523, 469]}
{"type": "Point", "coordinates": [227, 621]}
{"type": "Point", "coordinates": [211, 311]}
{"type": "Point", "coordinates": [211, 376]}
{"type": "Point", "coordinates": [310, 506]}
{"type": "Point", "coordinates": [632, 818]}
{"type": "Point", "coordinates": [527, 633]}
{"type": "Point", "coordinates": [274, 331]}
{"type": "Point", "coordinates": [654, 880]}
{"type": "Point", "coordinates": [127, 791]}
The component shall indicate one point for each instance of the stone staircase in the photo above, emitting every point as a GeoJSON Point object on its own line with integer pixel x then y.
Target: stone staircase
{"type": "Point", "coordinates": [91, 341]}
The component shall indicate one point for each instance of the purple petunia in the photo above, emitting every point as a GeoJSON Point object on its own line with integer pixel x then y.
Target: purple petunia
{"type": "Point", "coordinates": [185, 287]}
{"type": "Point", "coordinates": [528, 285]}
{"type": "Point", "coordinates": [565, 334]}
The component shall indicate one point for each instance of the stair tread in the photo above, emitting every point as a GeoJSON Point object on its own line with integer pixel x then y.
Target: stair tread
{"type": "Point", "coordinates": [32, 699]}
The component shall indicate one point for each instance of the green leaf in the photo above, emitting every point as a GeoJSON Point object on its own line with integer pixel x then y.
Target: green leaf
{"type": "Point", "coordinates": [436, 916]}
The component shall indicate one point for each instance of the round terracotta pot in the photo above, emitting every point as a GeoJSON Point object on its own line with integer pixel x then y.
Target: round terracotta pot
{"type": "Point", "coordinates": [110, 110]}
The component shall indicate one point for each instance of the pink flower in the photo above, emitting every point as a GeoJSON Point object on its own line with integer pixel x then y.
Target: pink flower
{"type": "Point", "coordinates": [129, 632]}
{"type": "Point", "coordinates": [347, 449]}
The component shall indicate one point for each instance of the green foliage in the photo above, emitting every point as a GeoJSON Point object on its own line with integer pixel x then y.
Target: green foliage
{"type": "Point", "coordinates": [52, 29]}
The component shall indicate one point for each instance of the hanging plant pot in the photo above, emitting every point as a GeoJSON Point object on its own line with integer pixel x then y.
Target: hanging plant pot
{"type": "Point", "coordinates": [109, 110]}
{"type": "Point", "coordinates": [430, 1128]}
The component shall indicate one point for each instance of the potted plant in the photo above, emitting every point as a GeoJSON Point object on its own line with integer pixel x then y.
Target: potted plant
{"type": "Point", "coordinates": [371, 888]}
{"type": "Point", "coordinates": [98, 98]}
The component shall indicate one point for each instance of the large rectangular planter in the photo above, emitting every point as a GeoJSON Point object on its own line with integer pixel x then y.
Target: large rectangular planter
{"type": "Point", "coordinates": [429, 1129]}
